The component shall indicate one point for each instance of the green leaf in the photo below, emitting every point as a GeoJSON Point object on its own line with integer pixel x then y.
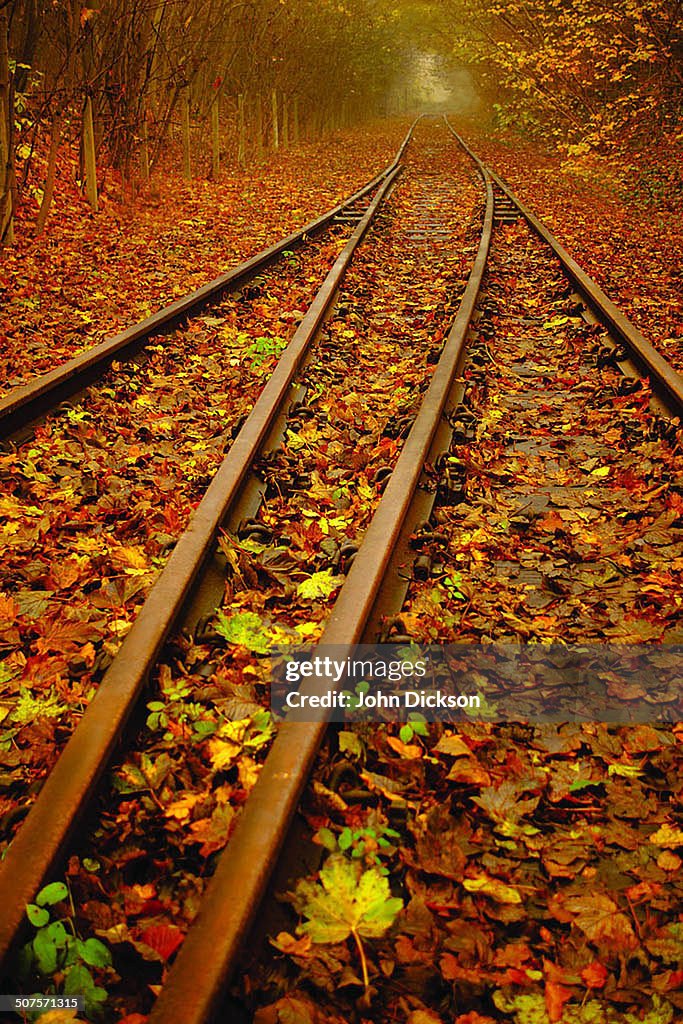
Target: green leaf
{"type": "Point", "coordinates": [345, 900]}
{"type": "Point", "coordinates": [29, 708]}
{"type": "Point", "coordinates": [51, 894]}
{"type": "Point", "coordinates": [37, 915]}
{"type": "Point", "coordinates": [579, 784]}
{"type": "Point", "coordinates": [45, 951]}
{"type": "Point", "coordinates": [319, 585]}
{"type": "Point", "coordinates": [325, 837]}
{"type": "Point", "coordinates": [345, 839]}
{"type": "Point", "coordinates": [204, 728]}
{"type": "Point", "coordinates": [58, 934]}
{"type": "Point", "coordinates": [349, 743]}
{"type": "Point", "coordinates": [245, 629]}
{"type": "Point", "coordinates": [94, 953]}
{"type": "Point", "coordinates": [78, 981]}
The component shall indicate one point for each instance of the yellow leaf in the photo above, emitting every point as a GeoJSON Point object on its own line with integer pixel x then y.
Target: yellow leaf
{"type": "Point", "coordinates": [667, 835]}
{"type": "Point", "coordinates": [131, 559]}
{"type": "Point", "coordinates": [628, 771]}
{"type": "Point", "coordinates": [248, 772]}
{"type": "Point", "coordinates": [493, 887]}
{"type": "Point", "coordinates": [411, 751]}
{"type": "Point", "coordinates": [669, 861]}
{"type": "Point", "coordinates": [224, 748]}
{"type": "Point", "coordinates": [601, 471]}
{"type": "Point", "coordinates": [181, 808]}
{"type": "Point", "coordinates": [222, 753]}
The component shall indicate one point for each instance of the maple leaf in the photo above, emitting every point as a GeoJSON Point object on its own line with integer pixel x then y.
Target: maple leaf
{"type": "Point", "coordinates": [245, 629]}
{"type": "Point", "coordinates": [131, 559]}
{"type": "Point", "coordinates": [346, 900]}
{"type": "Point", "coordinates": [505, 808]}
{"type": "Point", "coordinates": [213, 832]}
{"type": "Point", "coordinates": [556, 996]}
{"type": "Point", "coordinates": [181, 808]}
{"type": "Point", "coordinates": [319, 585]}
{"type": "Point", "coordinates": [453, 745]}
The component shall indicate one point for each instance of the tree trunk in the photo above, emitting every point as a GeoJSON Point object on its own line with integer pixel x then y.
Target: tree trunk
{"type": "Point", "coordinates": [295, 121]}
{"type": "Point", "coordinates": [259, 128]}
{"type": "Point", "coordinates": [215, 140]}
{"type": "Point", "coordinates": [51, 170]}
{"type": "Point", "coordinates": [185, 115]}
{"type": "Point", "coordinates": [275, 126]}
{"type": "Point", "coordinates": [6, 124]}
{"type": "Point", "coordinates": [28, 46]}
{"type": "Point", "coordinates": [285, 122]}
{"type": "Point", "coordinates": [144, 148]}
{"type": "Point", "coordinates": [241, 133]}
{"type": "Point", "coordinates": [89, 155]}
{"type": "Point", "coordinates": [154, 84]}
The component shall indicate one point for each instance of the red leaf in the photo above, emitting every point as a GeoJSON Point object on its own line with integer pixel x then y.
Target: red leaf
{"type": "Point", "coordinates": [595, 975]}
{"type": "Point", "coordinates": [164, 939]}
{"type": "Point", "coordinates": [555, 998]}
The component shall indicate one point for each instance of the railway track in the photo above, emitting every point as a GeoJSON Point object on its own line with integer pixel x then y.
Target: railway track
{"type": "Point", "coordinates": [24, 406]}
{"type": "Point", "coordinates": [107, 482]}
{"type": "Point", "coordinates": [372, 565]}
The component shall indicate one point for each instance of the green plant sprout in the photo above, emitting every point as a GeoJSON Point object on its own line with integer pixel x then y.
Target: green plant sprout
{"type": "Point", "coordinates": [57, 949]}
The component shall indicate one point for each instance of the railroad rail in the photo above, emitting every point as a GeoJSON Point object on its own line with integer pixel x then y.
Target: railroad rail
{"type": "Point", "coordinates": [197, 979]}
{"type": "Point", "coordinates": [666, 379]}
{"type": "Point", "coordinates": [24, 406]}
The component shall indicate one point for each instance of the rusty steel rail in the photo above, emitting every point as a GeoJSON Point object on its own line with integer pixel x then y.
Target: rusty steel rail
{"type": "Point", "coordinates": [24, 405]}
{"type": "Point", "coordinates": [209, 954]}
{"type": "Point", "coordinates": [43, 839]}
{"type": "Point", "coordinates": [664, 376]}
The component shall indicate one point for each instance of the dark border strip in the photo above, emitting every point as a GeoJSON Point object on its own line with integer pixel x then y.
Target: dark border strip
{"type": "Point", "coordinates": [645, 354]}
{"type": "Point", "coordinates": [22, 406]}
{"type": "Point", "coordinates": [42, 841]}
{"type": "Point", "coordinates": [210, 951]}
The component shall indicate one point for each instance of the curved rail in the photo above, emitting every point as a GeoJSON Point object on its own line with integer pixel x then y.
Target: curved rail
{"type": "Point", "coordinates": [664, 376]}
{"type": "Point", "coordinates": [22, 406]}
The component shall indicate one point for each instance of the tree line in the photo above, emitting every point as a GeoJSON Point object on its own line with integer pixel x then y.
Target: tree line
{"type": "Point", "coordinates": [127, 74]}
{"type": "Point", "coordinates": [590, 74]}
